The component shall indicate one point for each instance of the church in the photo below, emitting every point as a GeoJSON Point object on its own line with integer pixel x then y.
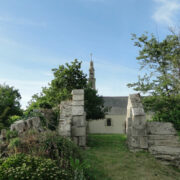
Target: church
{"type": "Point", "coordinates": [114, 121]}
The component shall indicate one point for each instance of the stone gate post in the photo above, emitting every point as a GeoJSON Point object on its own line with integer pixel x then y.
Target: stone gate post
{"type": "Point", "coordinates": [72, 121]}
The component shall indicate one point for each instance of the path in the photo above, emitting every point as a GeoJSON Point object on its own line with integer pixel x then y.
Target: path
{"type": "Point", "coordinates": [111, 160]}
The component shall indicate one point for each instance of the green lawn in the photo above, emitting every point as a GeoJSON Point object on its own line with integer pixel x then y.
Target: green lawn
{"type": "Point", "coordinates": [110, 160]}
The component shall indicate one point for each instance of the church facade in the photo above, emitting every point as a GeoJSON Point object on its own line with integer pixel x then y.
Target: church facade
{"type": "Point", "coordinates": [114, 121]}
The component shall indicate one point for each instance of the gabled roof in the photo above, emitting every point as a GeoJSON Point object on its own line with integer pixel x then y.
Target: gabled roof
{"type": "Point", "coordinates": [117, 105]}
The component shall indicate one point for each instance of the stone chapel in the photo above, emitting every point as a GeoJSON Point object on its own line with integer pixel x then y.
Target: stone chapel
{"type": "Point", "coordinates": [114, 121]}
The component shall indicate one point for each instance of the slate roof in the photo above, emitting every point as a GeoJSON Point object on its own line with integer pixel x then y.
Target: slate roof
{"type": "Point", "coordinates": [117, 105]}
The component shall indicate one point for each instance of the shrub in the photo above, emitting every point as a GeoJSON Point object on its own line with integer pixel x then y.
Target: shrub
{"type": "Point", "coordinates": [165, 109]}
{"type": "Point", "coordinates": [13, 119]}
{"type": "Point", "coordinates": [29, 167]}
{"type": "Point", "coordinates": [49, 144]}
{"type": "Point", "coordinates": [11, 134]}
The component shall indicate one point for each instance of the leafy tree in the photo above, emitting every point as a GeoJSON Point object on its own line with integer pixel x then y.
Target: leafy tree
{"type": "Point", "coordinates": [9, 104]}
{"type": "Point", "coordinates": [66, 78]}
{"type": "Point", "coordinates": [94, 105]}
{"type": "Point", "coordinates": [161, 64]}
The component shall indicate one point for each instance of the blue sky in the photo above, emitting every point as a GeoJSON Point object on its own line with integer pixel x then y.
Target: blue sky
{"type": "Point", "coordinates": [36, 36]}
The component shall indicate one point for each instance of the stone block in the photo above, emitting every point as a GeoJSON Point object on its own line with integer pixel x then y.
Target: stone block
{"type": "Point", "coordinates": [138, 132]}
{"type": "Point", "coordinates": [18, 126]}
{"type": "Point", "coordinates": [164, 142]}
{"type": "Point", "coordinates": [165, 150]}
{"type": "Point", "coordinates": [161, 128]}
{"type": "Point", "coordinates": [143, 142]}
{"type": "Point", "coordinates": [77, 110]}
{"type": "Point", "coordinates": [75, 140]}
{"type": "Point", "coordinates": [139, 122]}
{"type": "Point", "coordinates": [78, 97]}
{"type": "Point", "coordinates": [65, 130]}
{"type": "Point", "coordinates": [139, 111]}
{"type": "Point", "coordinates": [133, 141]}
{"type": "Point", "coordinates": [36, 122]}
{"type": "Point", "coordinates": [77, 92]}
{"type": "Point", "coordinates": [77, 103]}
{"type": "Point", "coordinates": [78, 131]}
{"type": "Point", "coordinates": [163, 137]}
{"type": "Point", "coordinates": [82, 141]}
{"type": "Point", "coordinates": [139, 142]}
{"type": "Point", "coordinates": [78, 121]}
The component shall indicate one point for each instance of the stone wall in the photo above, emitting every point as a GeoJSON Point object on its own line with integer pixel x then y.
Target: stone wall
{"type": "Point", "coordinates": [24, 125]}
{"type": "Point", "coordinates": [159, 138]}
{"type": "Point", "coordinates": [72, 121]}
{"type": "Point", "coordinates": [163, 142]}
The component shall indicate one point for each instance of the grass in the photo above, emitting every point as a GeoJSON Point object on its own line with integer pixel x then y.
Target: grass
{"type": "Point", "coordinates": [110, 159]}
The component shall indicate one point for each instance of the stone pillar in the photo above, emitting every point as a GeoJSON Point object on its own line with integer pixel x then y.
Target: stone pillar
{"type": "Point", "coordinates": [78, 128]}
{"type": "Point", "coordinates": [72, 121]}
{"type": "Point", "coordinates": [64, 128]}
{"type": "Point", "coordinates": [136, 124]}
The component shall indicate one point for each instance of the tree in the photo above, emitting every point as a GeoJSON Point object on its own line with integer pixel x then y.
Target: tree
{"type": "Point", "coordinates": [67, 78]}
{"type": "Point", "coordinates": [161, 64]}
{"type": "Point", "coordinates": [94, 104]}
{"type": "Point", "coordinates": [9, 104]}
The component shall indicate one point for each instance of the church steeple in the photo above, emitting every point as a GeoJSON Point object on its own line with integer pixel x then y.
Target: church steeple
{"type": "Point", "coordinates": [92, 80]}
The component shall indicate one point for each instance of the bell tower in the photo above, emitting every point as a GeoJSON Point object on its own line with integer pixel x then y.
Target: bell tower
{"type": "Point", "coordinates": [92, 80]}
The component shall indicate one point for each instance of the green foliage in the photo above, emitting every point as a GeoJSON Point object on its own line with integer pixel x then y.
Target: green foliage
{"type": "Point", "coordinates": [161, 64]}
{"type": "Point", "coordinates": [28, 167]}
{"type": "Point", "coordinates": [46, 144]}
{"type": "Point", "coordinates": [9, 104]}
{"type": "Point", "coordinates": [59, 147]}
{"type": "Point", "coordinates": [66, 155]}
{"type": "Point", "coordinates": [14, 142]}
{"type": "Point", "coordinates": [94, 105]}
{"type": "Point", "coordinates": [14, 118]}
{"type": "Point", "coordinates": [11, 134]}
{"type": "Point", "coordinates": [79, 169]}
{"type": "Point", "coordinates": [166, 108]}
{"type": "Point", "coordinates": [67, 78]}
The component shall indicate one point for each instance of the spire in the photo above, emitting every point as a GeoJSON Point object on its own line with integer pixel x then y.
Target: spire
{"type": "Point", "coordinates": [92, 80]}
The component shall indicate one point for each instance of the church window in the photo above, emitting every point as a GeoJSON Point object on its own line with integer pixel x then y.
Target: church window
{"type": "Point", "coordinates": [109, 122]}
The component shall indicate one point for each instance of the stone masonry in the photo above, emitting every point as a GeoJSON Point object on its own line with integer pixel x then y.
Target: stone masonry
{"type": "Point", "coordinates": [136, 124]}
{"type": "Point", "coordinates": [159, 138]}
{"type": "Point", "coordinates": [25, 125]}
{"type": "Point", "coordinates": [72, 121]}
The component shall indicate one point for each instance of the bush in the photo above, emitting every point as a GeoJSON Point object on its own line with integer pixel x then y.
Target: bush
{"type": "Point", "coordinates": [11, 134]}
{"type": "Point", "coordinates": [13, 119]}
{"type": "Point", "coordinates": [29, 167]}
{"type": "Point", "coordinates": [62, 151]}
{"type": "Point", "coordinates": [165, 109]}
{"type": "Point", "coordinates": [47, 144]}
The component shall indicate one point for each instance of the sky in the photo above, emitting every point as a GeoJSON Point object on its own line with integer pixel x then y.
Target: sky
{"type": "Point", "coordinates": [39, 35]}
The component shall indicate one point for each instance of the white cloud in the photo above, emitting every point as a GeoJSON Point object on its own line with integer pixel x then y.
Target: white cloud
{"type": "Point", "coordinates": [21, 21]}
{"type": "Point", "coordinates": [166, 11]}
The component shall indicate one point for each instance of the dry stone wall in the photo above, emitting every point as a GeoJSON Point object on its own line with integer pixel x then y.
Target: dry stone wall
{"type": "Point", "coordinates": [25, 125]}
{"type": "Point", "coordinates": [163, 142]}
{"type": "Point", "coordinates": [72, 121]}
{"type": "Point", "coordinates": [159, 138]}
